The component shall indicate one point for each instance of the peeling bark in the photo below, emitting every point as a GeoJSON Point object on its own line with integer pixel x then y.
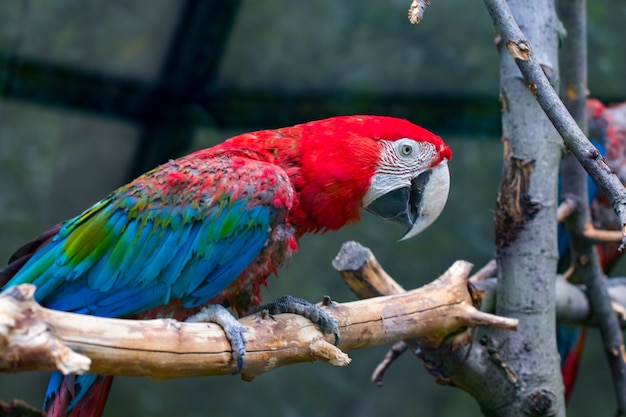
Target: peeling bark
{"type": "Point", "coordinates": [513, 204]}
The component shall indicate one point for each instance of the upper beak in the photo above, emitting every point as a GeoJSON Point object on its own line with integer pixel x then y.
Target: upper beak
{"type": "Point", "coordinates": [418, 205]}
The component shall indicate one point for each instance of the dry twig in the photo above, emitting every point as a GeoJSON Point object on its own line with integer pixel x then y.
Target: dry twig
{"type": "Point", "coordinates": [601, 236]}
{"type": "Point", "coordinates": [417, 9]}
{"type": "Point", "coordinates": [548, 99]}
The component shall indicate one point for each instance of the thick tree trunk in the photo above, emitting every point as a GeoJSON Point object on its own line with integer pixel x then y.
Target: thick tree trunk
{"type": "Point", "coordinates": [526, 223]}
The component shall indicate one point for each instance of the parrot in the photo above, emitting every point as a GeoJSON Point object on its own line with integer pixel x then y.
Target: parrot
{"type": "Point", "coordinates": [607, 131]}
{"type": "Point", "coordinates": [207, 229]}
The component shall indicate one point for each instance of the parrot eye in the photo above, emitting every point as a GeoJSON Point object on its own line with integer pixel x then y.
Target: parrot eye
{"type": "Point", "coordinates": [406, 150]}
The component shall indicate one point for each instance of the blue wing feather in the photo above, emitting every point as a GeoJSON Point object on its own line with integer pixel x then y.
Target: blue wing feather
{"type": "Point", "coordinates": [119, 260]}
{"type": "Point", "coordinates": [135, 251]}
{"type": "Point", "coordinates": [158, 268]}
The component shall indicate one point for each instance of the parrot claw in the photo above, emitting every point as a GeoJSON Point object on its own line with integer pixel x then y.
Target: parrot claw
{"type": "Point", "coordinates": [313, 312]}
{"type": "Point", "coordinates": [235, 332]}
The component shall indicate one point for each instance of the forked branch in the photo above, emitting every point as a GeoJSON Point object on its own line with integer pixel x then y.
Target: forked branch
{"type": "Point", "coordinates": [548, 99]}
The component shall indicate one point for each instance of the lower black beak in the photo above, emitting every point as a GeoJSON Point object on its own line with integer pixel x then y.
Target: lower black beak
{"type": "Point", "coordinates": [402, 206]}
{"type": "Point", "coordinates": [418, 205]}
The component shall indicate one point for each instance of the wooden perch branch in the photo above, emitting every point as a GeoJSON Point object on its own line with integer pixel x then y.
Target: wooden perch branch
{"type": "Point", "coordinates": [467, 368]}
{"type": "Point", "coordinates": [36, 338]}
{"type": "Point", "coordinates": [366, 278]}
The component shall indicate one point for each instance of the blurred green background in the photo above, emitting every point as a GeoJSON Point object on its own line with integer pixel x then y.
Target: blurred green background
{"type": "Point", "coordinates": [95, 91]}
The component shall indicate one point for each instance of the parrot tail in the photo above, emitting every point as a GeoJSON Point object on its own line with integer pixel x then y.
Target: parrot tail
{"type": "Point", "coordinates": [569, 364]}
{"type": "Point", "coordinates": [76, 396]}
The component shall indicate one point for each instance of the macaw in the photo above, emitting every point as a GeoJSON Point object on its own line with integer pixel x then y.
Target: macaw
{"type": "Point", "coordinates": [607, 131]}
{"type": "Point", "coordinates": [609, 124]}
{"type": "Point", "coordinates": [209, 228]}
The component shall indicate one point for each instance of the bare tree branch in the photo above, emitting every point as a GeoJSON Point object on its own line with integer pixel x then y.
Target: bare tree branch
{"type": "Point", "coordinates": [489, 270]}
{"type": "Point", "coordinates": [548, 99]}
{"type": "Point", "coordinates": [574, 187]}
{"type": "Point", "coordinates": [565, 209]}
{"type": "Point", "coordinates": [594, 235]}
{"type": "Point", "coordinates": [18, 408]}
{"type": "Point", "coordinates": [572, 303]}
{"type": "Point", "coordinates": [36, 338]}
{"type": "Point", "coordinates": [393, 353]}
{"type": "Point", "coordinates": [473, 367]}
{"type": "Point", "coordinates": [366, 278]}
{"type": "Point", "coordinates": [417, 9]}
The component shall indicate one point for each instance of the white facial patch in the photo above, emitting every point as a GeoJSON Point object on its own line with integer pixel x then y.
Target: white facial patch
{"type": "Point", "coordinates": [400, 162]}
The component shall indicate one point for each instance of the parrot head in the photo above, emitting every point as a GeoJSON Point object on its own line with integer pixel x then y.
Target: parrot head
{"type": "Point", "coordinates": [410, 186]}
{"type": "Point", "coordinates": [411, 183]}
{"type": "Point", "coordinates": [340, 165]}
{"type": "Point", "coordinates": [386, 165]}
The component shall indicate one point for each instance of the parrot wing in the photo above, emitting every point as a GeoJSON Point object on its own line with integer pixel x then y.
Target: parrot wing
{"type": "Point", "coordinates": [184, 231]}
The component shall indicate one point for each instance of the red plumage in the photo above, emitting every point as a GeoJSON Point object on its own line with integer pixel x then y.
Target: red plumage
{"type": "Point", "coordinates": [330, 162]}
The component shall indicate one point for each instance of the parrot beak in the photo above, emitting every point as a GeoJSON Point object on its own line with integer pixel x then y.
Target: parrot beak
{"type": "Point", "coordinates": [417, 205]}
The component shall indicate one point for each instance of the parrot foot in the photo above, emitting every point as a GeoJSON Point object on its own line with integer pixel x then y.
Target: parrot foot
{"type": "Point", "coordinates": [313, 312]}
{"type": "Point", "coordinates": [235, 332]}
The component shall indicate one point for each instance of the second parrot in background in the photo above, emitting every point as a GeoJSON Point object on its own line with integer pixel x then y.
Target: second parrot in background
{"type": "Point", "coordinates": [607, 131]}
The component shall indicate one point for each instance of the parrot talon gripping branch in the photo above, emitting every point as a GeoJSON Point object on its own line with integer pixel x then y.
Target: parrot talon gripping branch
{"type": "Point", "coordinates": [304, 308]}
{"type": "Point", "coordinates": [210, 227]}
{"type": "Point", "coordinates": [234, 332]}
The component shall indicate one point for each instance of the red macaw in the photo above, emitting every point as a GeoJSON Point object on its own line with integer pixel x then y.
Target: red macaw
{"type": "Point", "coordinates": [209, 228]}
{"type": "Point", "coordinates": [607, 131]}
{"type": "Point", "coordinates": [608, 124]}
